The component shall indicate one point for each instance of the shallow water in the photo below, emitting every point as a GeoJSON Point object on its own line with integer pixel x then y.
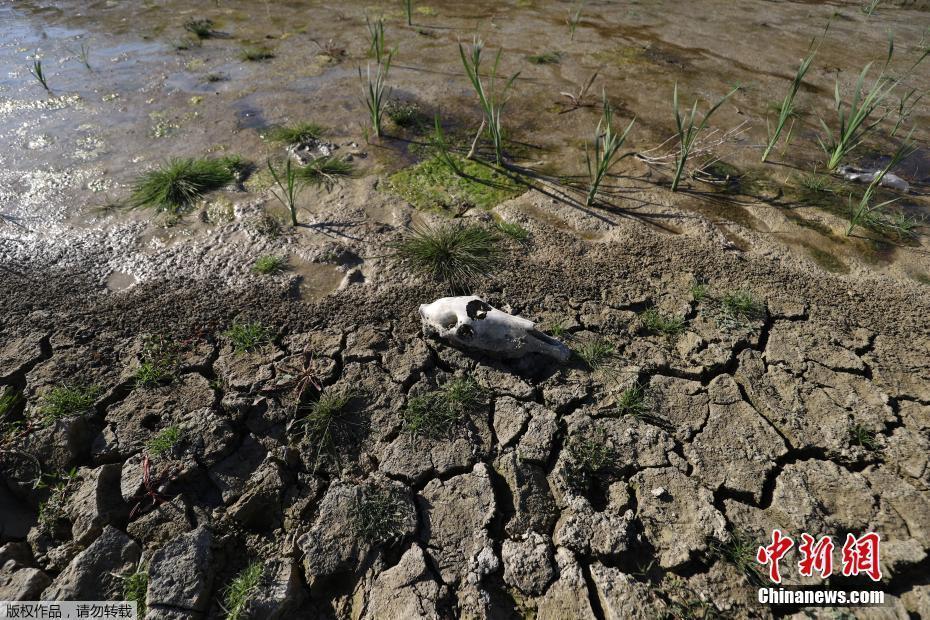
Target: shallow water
{"type": "Point", "coordinates": [143, 100]}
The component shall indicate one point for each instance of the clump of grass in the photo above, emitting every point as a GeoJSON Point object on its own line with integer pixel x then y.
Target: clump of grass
{"type": "Point", "coordinates": [38, 73]}
{"type": "Point", "coordinates": [869, 7]}
{"type": "Point", "coordinates": [237, 593]}
{"type": "Point", "coordinates": [267, 225]}
{"type": "Point", "coordinates": [9, 400]}
{"type": "Point", "coordinates": [742, 305]}
{"type": "Point", "coordinates": [606, 144]}
{"type": "Point", "coordinates": [247, 336]}
{"type": "Point", "coordinates": [84, 56]}
{"type": "Point", "coordinates": [557, 329]}
{"type": "Point", "coordinates": [492, 101]}
{"type": "Point", "coordinates": [378, 516]}
{"type": "Point", "coordinates": [288, 189]}
{"type": "Point", "coordinates": [200, 28]}
{"type": "Point", "coordinates": [164, 441]}
{"type": "Point", "coordinates": [787, 110]}
{"type": "Point", "coordinates": [134, 589]}
{"type": "Point", "coordinates": [436, 413]}
{"type": "Point", "coordinates": [590, 455]}
{"type": "Point", "coordinates": [865, 208]}
{"type": "Point", "coordinates": [455, 254]}
{"type": "Point", "coordinates": [865, 111]}
{"type": "Point", "coordinates": [376, 33]}
{"type": "Point", "coordinates": [699, 290]}
{"type": "Point", "coordinates": [376, 91]}
{"type": "Point", "coordinates": [513, 230]}
{"type": "Point", "coordinates": [159, 362]}
{"type": "Point", "coordinates": [655, 322]}
{"type": "Point", "coordinates": [740, 551]}
{"type": "Point", "coordinates": [269, 265]}
{"type": "Point", "coordinates": [815, 183]}
{"type": "Point", "coordinates": [688, 131]}
{"type": "Point", "coordinates": [252, 53]}
{"type": "Point", "coordinates": [632, 402]}
{"type": "Point", "coordinates": [325, 422]}
{"type": "Point", "coordinates": [66, 401]}
{"type": "Point", "coordinates": [406, 114]}
{"type": "Point", "coordinates": [863, 437]}
{"type": "Point", "coordinates": [595, 353]}
{"type": "Point", "coordinates": [325, 171]}
{"type": "Point", "coordinates": [298, 133]}
{"type": "Point", "coordinates": [546, 58]}
{"type": "Point", "coordinates": [179, 183]}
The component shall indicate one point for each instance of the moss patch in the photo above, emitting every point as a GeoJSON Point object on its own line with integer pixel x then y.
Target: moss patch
{"type": "Point", "coordinates": [827, 260]}
{"type": "Point", "coordinates": [431, 185]}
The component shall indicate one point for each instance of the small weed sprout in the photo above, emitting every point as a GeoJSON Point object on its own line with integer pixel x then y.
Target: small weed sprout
{"type": "Point", "coordinates": [238, 592]}
{"type": "Point", "coordinates": [606, 144]}
{"type": "Point", "coordinates": [657, 323]}
{"type": "Point", "coordinates": [38, 73]}
{"type": "Point", "coordinates": [574, 17]}
{"type": "Point", "coordinates": [159, 362]}
{"type": "Point", "coordinates": [740, 551]}
{"type": "Point", "coordinates": [906, 106]}
{"type": "Point", "coordinates": [376, 91]}
{"type": "Point", "coordinates": [298, 133]}
{"type": "Point", "coordinates": [325, 171]}
{"type": "Point", "coordinates": [376, 33]}
{"type": "Point", "coordinates": [255, 54]}
{"type": "Point", "coordinates": [492, 102]}
{"type": "Point", "coordinates": [164, 441]}
{"type": "Point", "coordinates": [200, 28]}
{"type": "Point", "coordinates": [869, 7]}
{"type": "Point", "coordinates": [405, 114]}
{"type": "Point", "coordinates": [595, 353]}
{"type": "Point", "coordinates": [65, 401]}
{"type": "Point", "coordinates": [546, 58]}
{"type": "Point", "coordinates": [513, 230]}
{"type": "Point", "coordinates": [864, 209]}
{"type": "Point", "coordinates": [325, 423]}
{"type": "Point", "coordinates": [787, 110]}
{"type": "Point", "coordinates": [9, 400]}
{"type": "Point", "coordinates": [557, 329]}
{"type": "Point", "coordinates": [269, 265]}
{"type": "Point", "coordinates": [863, 437]}
{"type": "Point", "coordinates": [688, 132]}
{"type": "Point", "coordinates": [436, 413]}
{"type": "Point", "coordinates": [247, 336]}
{"type": "Point", "coordinates": [378, 516]}
{"type": "Point", "coordinates": [84, 56]}
{"type": "Point", "coordinates": [288, 187]}
{"type": "Point", "coordinates": [742, 305]}
{"type": "Point", "coordinates": [632, 402]}
{"type": "Point", "coordinates": [590, 455]}
{"type": "Point", "coordinates": [699, 290]}
{"type": "Point", "coordinates": [455, 254]}
{"type": "Point", "coordinates": [865, 111]}
{"type": "Point", "coordinates": [174, 187]}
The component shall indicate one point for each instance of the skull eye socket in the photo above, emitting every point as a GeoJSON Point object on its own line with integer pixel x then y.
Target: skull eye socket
{"type": "Point", "coordinates": [448, 320]}
{"type": "Point", "coordinates": [465, 332]}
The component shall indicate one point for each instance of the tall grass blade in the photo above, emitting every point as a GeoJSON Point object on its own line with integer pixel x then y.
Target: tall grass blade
{"type": "Point", "coordinates": [606, 144]}
{"type": "Point", "coordinates": [688, 131]}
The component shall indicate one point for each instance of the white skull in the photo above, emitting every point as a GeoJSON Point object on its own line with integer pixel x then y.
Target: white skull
{"type": "Point", "coordinates": [471, 323]}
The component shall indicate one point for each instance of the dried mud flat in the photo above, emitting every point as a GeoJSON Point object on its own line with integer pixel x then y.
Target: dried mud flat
{"type": "Point", "coordinates": [811, 414]}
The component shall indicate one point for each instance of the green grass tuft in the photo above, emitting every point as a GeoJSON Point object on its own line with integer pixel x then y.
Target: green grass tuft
{"type": "Point", "coordinates": [455, 254]}
{"type": "Point", "coordinates": [298, 133]}
{"type": "Point", "coordinates": [656, 323]}
{"type": "Point", "coordinates": [164, 441]}
{"type": "Point", "coordinates": [436, 413]}
{"type": "Point", "coordinates": [595, 353]}
{"type": "Point", "coordinates": [200, 28]}
{"type": "Point", "coordinates": [513, 230]}
{"type": "Point", "coordinates": [180, 182]}
{"type": "Point", "coordinates": [237, 593]}
{"type": "Point", "coordinates": [9, 400]}
{"type": "Point", "coordinates": [253, 53]}
{"type": "Point", "coordinates": [378, 517]}
{"type": "Point", "coordinates": [247, 336]}
{"type": "Point", "coordinates": [160, 362]}
{"type": "Point", "coordinates": [699, 290]}
{"type": "Point", "coordinates": [632, 402]}
{"type": "Point", "coordinates": [546, 58]}
{"type": "Point", "coordinates": [740, 551]}
{"type": "Point", "coordinates": [325, 171]}
{"type": "Point", "coordinates": [590, 455]}
{"type": "Point", "coordinates": [134, 589]}
{"type": "Point", "coordinates": [432, 185]}
{"type": "Point", "coordinates": [326, 422]}
{"type": "Point", "coordinates": [742, 305]}
{"type": "Point", "coordinates": [406, 114]}
{"type": "Point", "coordinates": [269, 265]}
{"type": "Point", "coordinates": [65, 401]}
{"type": "Point", "coordinates": [863, 437]}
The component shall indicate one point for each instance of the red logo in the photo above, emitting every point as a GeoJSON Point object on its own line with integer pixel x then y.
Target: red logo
{"type": "Point", "coordinates": [773, 553]}
{"type": "Point", "coordinates": [860, 555]}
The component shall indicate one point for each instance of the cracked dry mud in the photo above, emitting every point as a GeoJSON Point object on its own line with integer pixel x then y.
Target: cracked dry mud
{"type": "Point", "coordinates": [813, 416]}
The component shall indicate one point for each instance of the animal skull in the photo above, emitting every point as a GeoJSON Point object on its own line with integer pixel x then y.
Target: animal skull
{"type": "Point", "coordinates": [471, 323]}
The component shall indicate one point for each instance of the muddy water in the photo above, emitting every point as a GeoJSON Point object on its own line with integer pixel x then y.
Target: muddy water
{"type": "Point", "coordinates": [142, 99]}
